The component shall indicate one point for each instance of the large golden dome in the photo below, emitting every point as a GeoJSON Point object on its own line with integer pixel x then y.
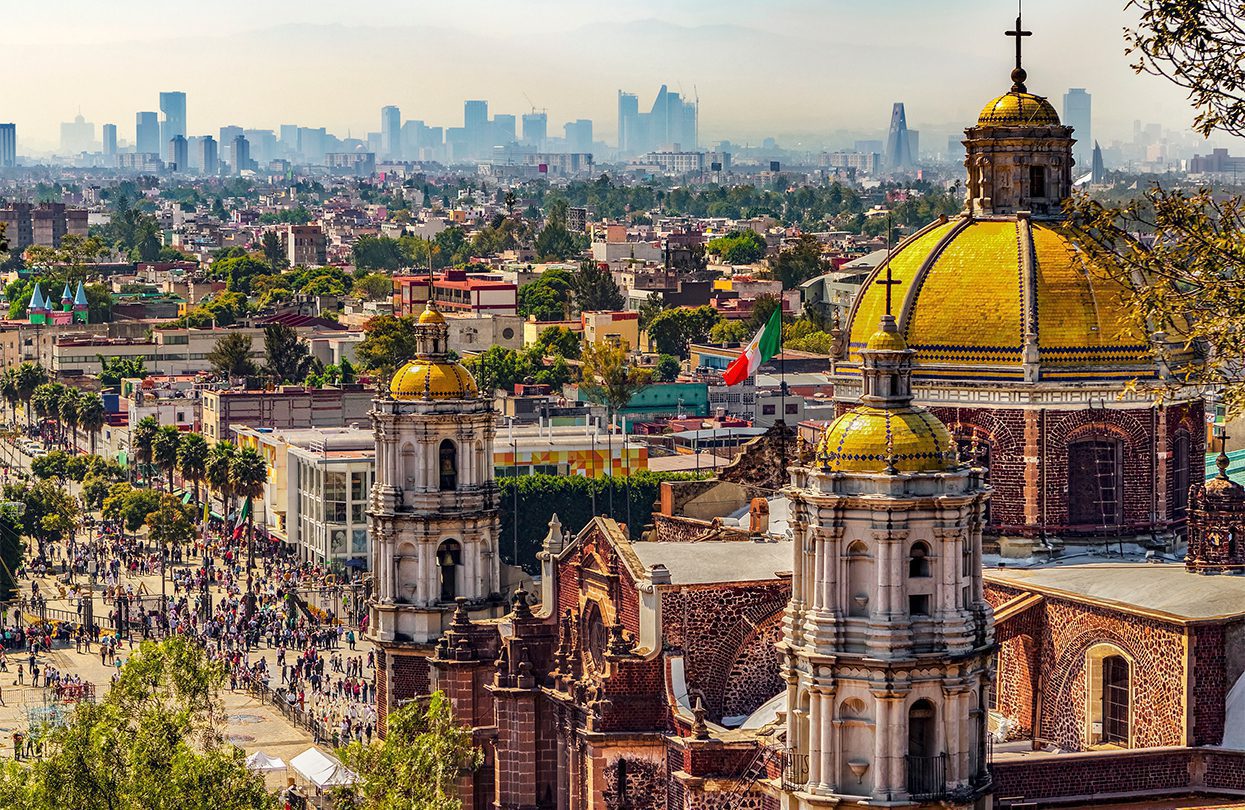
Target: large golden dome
{"type": "Point", "coordinates": [971, 290]}
{"type": "Point", "coordinates": [1017, 109]}
{"type": "Point", "coordinates": [869, 439]}
{"type": "Point", "coordinates": [432, 379]}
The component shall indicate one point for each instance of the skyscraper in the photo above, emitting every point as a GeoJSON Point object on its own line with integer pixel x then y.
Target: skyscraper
{"type": "Point", "coordinates": [898, 149]}
{"type": "Point", "coordinates": [209, 160]}
{"type": "Point", "coordinates": [1076, 114]}
{"type": "Point", "coordinates": [1097, 170]}
{"type": "Point", "coordinates": [628, 122]}
{"type": "Point", "coordinates": [110, 140]}
{"type": "Point", "coordinates": [173, 105]}
{"type": "Point", "coordinates": [475, 126]}
{"type": "Point", "coordinates": [147, 133]}
{"type": "Point", "coordinates": [241, 154]}
{"type": "Point", "coordinates": [177, 153]}
{"type": "Point", "coordinates": [77, 136]}
{"type": "Point", "coordinates": [8, 146]}
{"type": "Point", "coordinates": [503, 130]}
{"type": "Point", "coordinates": [535, 129]}
{"type": "Point", "coordinates": [390, 132]}
{"type": "Point", "coordinates": [578, 135]}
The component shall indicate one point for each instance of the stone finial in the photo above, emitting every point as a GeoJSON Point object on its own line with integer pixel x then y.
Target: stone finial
{"type": "Point", "coordinates": [555, 540]}
{"type": "Point", "coordinates": [520, 608]}
{"type": "Point", "coordinates": [619, 643]}
{"type": "Point", "coordinates": [700, 730]}
{"type": "Point", "coordinates": [462, 619]}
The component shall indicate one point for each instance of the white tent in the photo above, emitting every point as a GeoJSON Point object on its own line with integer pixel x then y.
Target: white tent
{"type": "Point", "coordinates": [322, 770]}
{"type": "Point", "coordinates": [259, 761]}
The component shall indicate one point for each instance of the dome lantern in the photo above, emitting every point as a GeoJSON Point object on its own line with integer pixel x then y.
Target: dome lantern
{"type": "Point", "coordinates": [431, 374]}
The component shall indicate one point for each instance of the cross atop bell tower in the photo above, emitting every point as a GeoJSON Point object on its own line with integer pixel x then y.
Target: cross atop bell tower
{"type": "Point", "coordinates": [1018, 74]}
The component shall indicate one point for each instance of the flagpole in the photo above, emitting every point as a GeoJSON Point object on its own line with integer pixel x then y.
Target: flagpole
{"type": "Point", "coordinates": [782, 393]}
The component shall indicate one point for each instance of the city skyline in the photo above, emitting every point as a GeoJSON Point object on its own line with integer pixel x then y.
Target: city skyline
{"type": "Point", "coordinates": [802, 82]}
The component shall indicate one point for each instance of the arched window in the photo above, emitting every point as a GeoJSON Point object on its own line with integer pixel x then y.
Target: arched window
{"type": "Point", "coordinates": [449, 559]}
{"type": "Point", "coordinates": [1095, 478]}
{"type": "Point", "coordinates": [410, 466]}
{"type": "Point", "coordinates": [1037, 181]}
{"type": "Point", "coordinates": [925, 766]}
{"type": "Point", "coordinates": [594, 634]}
{"type": "Point", "coordinates": [449, 465]}
{"type": "Point", "coordinates": [918, 560]}
{"type": "Point", "coordinates": [1180, 475]}
{"type": "Point", "coordinates": [1108, 673]}
{"type": "Point", "coordinates": [858, 580]}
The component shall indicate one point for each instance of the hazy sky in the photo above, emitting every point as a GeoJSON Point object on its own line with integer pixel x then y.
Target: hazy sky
{"type": "Point", "coordinates": [787, 68]}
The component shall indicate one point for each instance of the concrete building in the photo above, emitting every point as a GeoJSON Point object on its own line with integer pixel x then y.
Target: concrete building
{"type": "Point", "coordinates": [286, 408]}
{"type": "Point", "coordinates": [456, 291]}
{"type": "Point", "coordinates": [391, 132]}
{"type": "Point", "coordinates": [8, 146]}
{"type": "Point", "coordinates": [1077, 113]}
{"type": "Point", "coordinates": [178, 154]}
{"type": "Point", "coordinates": [305, 245]}
{"type": "Point", "coordinates": [535, 130]}
{"type": "Point", "coordinates": [147, 133]}
{"type": "Point", "coordinates": [77, 136]}
{"type": "Point", "coordinates": [209, 156]}
{"type": "Point", "coordinates": [109, 140]}
{"type": "Point", "coordinates": [899, 153]}
{"type": "Point", "coordinates": [173, 105]}
{"type": "Point", "coordinates": [44, 224]}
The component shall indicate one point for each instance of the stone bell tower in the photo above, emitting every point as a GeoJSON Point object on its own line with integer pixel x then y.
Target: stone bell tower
{"type": "Point", "coordinates": [887, 639]}
{"type": "Point", "coordinates": [433, 511]}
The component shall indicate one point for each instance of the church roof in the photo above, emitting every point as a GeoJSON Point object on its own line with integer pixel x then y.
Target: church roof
{"type": "Point", "coordinates": [865, 439]}
{"type": "Point", "coordinates": [443, 379]}
{"type": "Point", "coordinates": [971, 290]}
{"type": "Point", "coordinates": [1160, 590]}
{"type": "Point", "coordinates": [712, 562]}
{"type": "Point", "coordinates": [1016, 109]}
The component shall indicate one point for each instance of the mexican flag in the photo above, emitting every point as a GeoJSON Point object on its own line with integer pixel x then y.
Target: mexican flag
{"type": "Point", "coordinates": [242, 516]}
{"type": "Point", "coordinates": [764, 345]}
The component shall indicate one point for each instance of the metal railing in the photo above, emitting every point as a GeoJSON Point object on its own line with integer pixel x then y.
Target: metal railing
{"type": "Point", "coordinates": [927, 776]}
{"type": "Point", "coordinates": [794, 769]}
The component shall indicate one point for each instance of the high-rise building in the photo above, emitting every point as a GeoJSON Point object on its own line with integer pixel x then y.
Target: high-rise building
{"type": "Point", "coordinates": [1097, 170]}
{"type": "Point", "coordinates": [209, 157]}
{"type": "Point", "coordinates": [241, 154]}
{"type": "Point", "coordinates": [110, 139]}
{"type": "Point", "coordinates": [628, 122]}
{"type": "Point", "coordinates": [475, 127]}
{"type": "Point", "coordinates": [671, 124]}
{"type": "Point", "coordinates": [535, 129]}
{"type": "Point", "coordinates": [173, 105]}
{"type": "Point", "coordinates": [8, 146]}
{"type": "Point", "coordinates": [390, 132]}
{"type": "Point", "coordinates": [147, 133]}
{"type": "Point", "coordinates": [1077, 108]}
{"type": "Point", "coordinates": [578, 135]}
{"type": "Point", "coordinates": [503, 130]}
{"type": "Point", "coordinates": [77, 136]}
{"type": "Point", "coordinates": [898, 149]}
{"type": "Point", "coordinates": [177, 153]}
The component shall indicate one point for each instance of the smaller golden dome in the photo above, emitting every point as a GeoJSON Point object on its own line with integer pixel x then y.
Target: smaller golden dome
{"type": "Point", "coordinates": [868, 439]}
{"type": "Point", "coordinates": [1017, 109]}
{"type": "Point", "coordinates": [885, 340]}
{"type": "Point", "coordinates": [430, 315]}
{"type": "Point", "coordinates": [433, 379]}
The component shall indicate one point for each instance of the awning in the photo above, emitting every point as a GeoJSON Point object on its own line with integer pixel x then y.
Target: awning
{"type": "Point", "coordinates": [215, 515]}
{"type": "Point", "coordinates": [186, 498]}
{"type": "Point", "coordinates": [259, 761]}
{"type": "Point", "coordinates": [322, 770]}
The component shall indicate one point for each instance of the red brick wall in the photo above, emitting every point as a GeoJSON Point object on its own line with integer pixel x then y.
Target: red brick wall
{"type": "Point", "coordinates": [1179, 772]}
{"type": "Point", "coordinates": [1210, 685]}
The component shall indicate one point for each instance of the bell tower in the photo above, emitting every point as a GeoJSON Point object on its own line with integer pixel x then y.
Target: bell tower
{"type": "Point", "coordinates": [433, 511]}
{"type": "Point", "coordinates": [887, 639]}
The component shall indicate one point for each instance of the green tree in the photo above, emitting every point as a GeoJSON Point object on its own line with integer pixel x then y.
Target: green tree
{"type": "Point", "coordinates": [379, 253]}
{"type": "Point", "coordinates": [559, 340]}
{"type": "Point", "coordinates": [273, 251]}
{"type": "Point", "coordinates": [799, 262]}
{"type": "Point", "coordinates": [94, 490]}
{"type": "Point", "coordinates": [249, 472]}
{"type": "Point", "coordinates": [115, 369]}
{"type": "Point", "coordinates": [667, 369]}
{"type": "Point", "coordinates": [238, 271]}
{"type": "Point", "coordinates": [29, 377]}
{"type": "Point", "coordinates": [608, 376]}
{"type": "Point", "coordinates": [151, 743]}
{"type": "Point", "coordinates": [416, 765]}
{"type": "Point", "coordinates": [729, 331]}
{"type": "Point", "coordinates": [12, 551]}
{"type": "Point", "coordinates": [231, 356]}
{"type": "Point", "coordinates": [555, 242]}
{"type": "Point", "coordinates": [67, 409]}
{"type": "Point", "coordinates": [374, 287]}
{"type": "Point", "coordinates": [289, 359]}
{"type": "Point", "coordinates": [388, 342]}
{"type": "Point", "coordinates": [192, 456]}
{"type": "Point", "coordinates": [594, 287]}
{"type": "Point", "coordinates": [164, 449]}
{"type": "Point", "coordinates": [218, 471]}
{"type": "Point", "coordinates": [10, 391]}
{"type": "Point", "coordinates": [763, 307]}
{"type": "Point", "coordinates": [738, 247]}
{"type": "Point", "coordinates": [674, 329]}
{"type": "Point", "coordinates": [547, 297]}
{"type": "Point", "coordinates": [141, 438]}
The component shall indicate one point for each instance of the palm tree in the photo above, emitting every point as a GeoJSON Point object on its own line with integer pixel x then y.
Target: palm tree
{"type": "Point", "coordinates": [164, 450]}
{"type": "Point", "coordinates": [10, 391]}
{"type": "Point", "coordinates": [250, 473]}
{"type": "Point", "coordinates": [141, 437]}
{"type": "Point", "coordinates": [91, 415]}
{"type": "Point", "coordinates": [192, 456]}
{"type": "Point", "coordinates": [29, 377]}
{"type": "Point", "coordinates": [46, 400]}
{"type": "Point", "coordinates": [218, 471]}
{"type": "Point", "coordinates": [67, 410]}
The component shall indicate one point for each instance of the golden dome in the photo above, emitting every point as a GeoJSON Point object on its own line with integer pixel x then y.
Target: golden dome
{"type": "Point", "coordinates": [430, 316]}
{"type": "Point", "coordinates": [1017, 109]}
{"type": "Point", "coordinates": [432, 379]}
{"type": "Point", "coordinates": [868, 439]}
{"type": "Point", "coordinates": [885, 341]}
{"type": "Point", "coordinates": [971, 290]}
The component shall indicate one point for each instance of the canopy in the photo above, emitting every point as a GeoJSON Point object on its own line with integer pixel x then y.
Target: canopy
{"type": "Point", "coordinates": [259, 761]}
{"type": "Point", "coordinates": [322, 770]}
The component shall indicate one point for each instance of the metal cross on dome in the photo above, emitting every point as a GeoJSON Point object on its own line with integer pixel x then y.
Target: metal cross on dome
{"type": "Point", "coordinates": [1019, 33]}
{"type": "Point", "coordinates": [888, 283]}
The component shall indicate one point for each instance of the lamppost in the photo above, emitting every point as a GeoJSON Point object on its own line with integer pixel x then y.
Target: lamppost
{"type": "Point", "coordinates": [88, 609]}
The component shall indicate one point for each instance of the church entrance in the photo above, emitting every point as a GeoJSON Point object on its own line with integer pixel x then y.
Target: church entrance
{"type": "Point", "coordinates": [1094, 483]}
